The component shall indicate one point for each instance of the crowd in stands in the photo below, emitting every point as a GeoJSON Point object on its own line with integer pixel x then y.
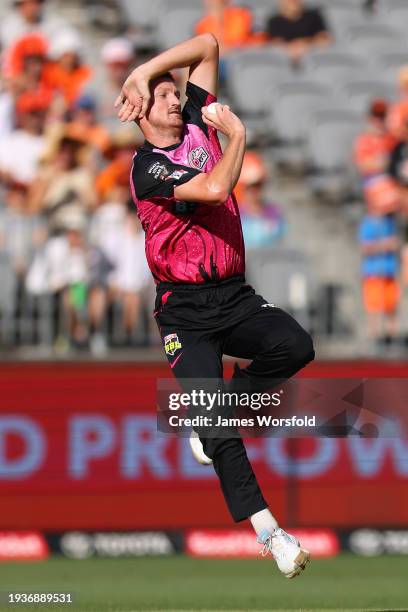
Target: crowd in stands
{"type": "Point", "coordinates": [381, 158]}
{"type": "Point", "coordinates": [68, 226]}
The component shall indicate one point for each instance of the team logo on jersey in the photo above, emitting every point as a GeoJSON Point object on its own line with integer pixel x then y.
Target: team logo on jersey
{"type": "Point", "coordinates": [171, 344]}
{"type": "Point", "coordinates": [198, 157]}
{"type": "Point", "coordinates": [158, 170]}
{"type": "Point", "coordinates": [176, 175]}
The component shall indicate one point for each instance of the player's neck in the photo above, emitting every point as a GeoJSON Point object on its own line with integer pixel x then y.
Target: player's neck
{"type": "Point", "coordinates": [162, 138]}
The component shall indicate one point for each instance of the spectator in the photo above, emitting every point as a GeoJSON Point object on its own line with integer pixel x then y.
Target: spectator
{"type": "Point", "coordinates": [297, 29]}
{"type": "Point", "coordinates": [84, 123]}
{"type": "Point", "coordinates": [132, 274]}
{"type": "Point", "coordinates": [64, 180]}
{"type": "Point", "coordinates": [67, 73]}
{"type": "Point", "coordinates": [118, 58]}
{"type": "Point", "coordinates": [19, 230]}
{"type": "Point", "coordinates": [262, 222]}
{"type": "Point", "coordinates": [232, 25]}
{"type": "Point", "coordinates": [21, 150]}
{"type": "Point", "coordinates": [378, 235]}
{"type": "Point", "coordinates": [113, 235]}
{"type": "Point", "coordinates": [372, 148]}
{"type": "Point", "coordinates": [24, 63]}
{"type": "Point", "coordinates": [397, 119]}
{"type": "Point", "coordinates": [28, 16]}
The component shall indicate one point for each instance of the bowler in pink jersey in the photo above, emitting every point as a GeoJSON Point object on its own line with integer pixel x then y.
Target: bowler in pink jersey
{"type": "Point", "coordinates": [182, 185]}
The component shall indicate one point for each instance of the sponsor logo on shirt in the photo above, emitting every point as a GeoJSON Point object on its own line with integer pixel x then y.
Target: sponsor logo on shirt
{"type": "Point", "coordinates": [171, 344]}
{"type": "Point", "coordinates": [159, 170]}
{"type": "Point", "coordinates": [198, 157]}
{"type": "Point", "coordinates": [176, 175]}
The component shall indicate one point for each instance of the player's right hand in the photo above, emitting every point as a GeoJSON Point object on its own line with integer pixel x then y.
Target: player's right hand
{"type": "Point", "coordinates": [134, 96]}
{"type": "Point", "coordinates": [224, 120]}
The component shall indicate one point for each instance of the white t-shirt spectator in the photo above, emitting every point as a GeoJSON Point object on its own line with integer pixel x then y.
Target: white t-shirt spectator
{"type": "Point", "coordinates": [19, 155]}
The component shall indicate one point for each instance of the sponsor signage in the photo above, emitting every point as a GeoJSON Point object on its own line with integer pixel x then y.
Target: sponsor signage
{"type": "Point", "coordinates": [82, 545]}
{"type": "Point", "coordinates": [241, 543]}
{"type": "Point", "coordinates": [79, 451]}
{"type": "Point", "coordinates": [375, 542]}
{"type": "Point", "coordinates": [22, 546]}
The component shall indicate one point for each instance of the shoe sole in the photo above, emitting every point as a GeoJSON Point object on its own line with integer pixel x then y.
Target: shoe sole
{"type": "Point", "coordinates": [300, 562]}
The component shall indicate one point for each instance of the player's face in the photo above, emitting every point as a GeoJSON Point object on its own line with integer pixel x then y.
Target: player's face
{"type": "Point", "coordinates": [165, 109]}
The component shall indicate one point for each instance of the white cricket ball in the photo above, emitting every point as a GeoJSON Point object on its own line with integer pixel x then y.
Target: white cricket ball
{"type": "Point", "coordinates": [212, 108]}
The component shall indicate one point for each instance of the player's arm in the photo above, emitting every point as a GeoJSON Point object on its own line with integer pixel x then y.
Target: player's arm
{"type": "Point", "coordinates": [200, 54]}
{"type": "Point", "coordinates": [215, 187]}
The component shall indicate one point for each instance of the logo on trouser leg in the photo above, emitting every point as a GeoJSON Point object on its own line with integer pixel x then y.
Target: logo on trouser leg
{"type": "Point", "coordinates": [171, 344]}
{"type": "Point", "coordinates": [268, 306]}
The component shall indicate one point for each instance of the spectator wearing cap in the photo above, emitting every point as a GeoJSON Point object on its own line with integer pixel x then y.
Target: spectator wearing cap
{"type": "Point", "coordinates": [84, 122]}
{"type": "Point", "coordinates": [297, 29]}
{"type": "Point", "coordinates": [64, 180]}
{"type": "Point", "coordinates": [21, 150]}
{"type": "Point", "coordinates": [118, 57]}
{"type": "Point", "coordinates": [24, 62]}
{"type": "Point", "coordinates": [26, 17]}
{"type": "Point", "coordinates": [372, 148]}
{"type": "Point", "coordinates": [262, 221]}
{"type": "Point", "coordinates": [66, 73]}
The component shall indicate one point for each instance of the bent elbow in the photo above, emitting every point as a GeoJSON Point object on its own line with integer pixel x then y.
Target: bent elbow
{"type": "Point", "coordinates": [218, 198]}
{"type": "Point", "coordinates": [211, 44]}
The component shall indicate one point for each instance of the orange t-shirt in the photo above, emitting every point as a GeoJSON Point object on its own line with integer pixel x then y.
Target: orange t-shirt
{"type": "Point", "coordinates": [69, 84]}
{"type": "Point", "coordinates": [371, 152]}
{"type": "Point", "coordinates": [234, 28]}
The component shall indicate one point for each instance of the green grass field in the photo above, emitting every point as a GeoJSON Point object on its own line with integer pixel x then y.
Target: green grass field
{"type": "Point", "coordinates": [181, 583]}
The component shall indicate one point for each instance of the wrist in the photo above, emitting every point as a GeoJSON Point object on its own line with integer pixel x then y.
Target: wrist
{"type": "Point", "coordinates": [238, 133]}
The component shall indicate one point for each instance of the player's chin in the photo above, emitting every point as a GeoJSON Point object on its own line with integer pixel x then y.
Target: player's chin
{"type": "Point", "coordinates": [175, 119]}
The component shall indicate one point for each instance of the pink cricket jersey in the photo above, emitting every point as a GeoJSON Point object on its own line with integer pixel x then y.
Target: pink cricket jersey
{"type": "Point", "coordinates": [186, 242]}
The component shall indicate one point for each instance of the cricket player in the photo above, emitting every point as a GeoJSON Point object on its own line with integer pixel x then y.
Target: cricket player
{"type": "Point", "coordinates": [182, 184]}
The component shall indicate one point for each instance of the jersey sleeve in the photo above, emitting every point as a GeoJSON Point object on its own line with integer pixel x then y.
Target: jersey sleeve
{"type": "Point", "coordinates": [197, 97]}
{"type": "Point", "coordinates": [155, 176]}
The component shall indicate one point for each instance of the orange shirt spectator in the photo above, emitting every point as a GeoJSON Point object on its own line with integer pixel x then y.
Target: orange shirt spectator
{"type": "Point", "coordinates": [397, 119]}
{"type": "Point", "coordinates": [373, 147]}
{"type": "Point", "coordinates": [232, 25]}
{"type": "Point", "coordinates": [67, 74]}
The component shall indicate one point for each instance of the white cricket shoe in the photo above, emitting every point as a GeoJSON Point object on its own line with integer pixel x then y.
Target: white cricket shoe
{"type": "Point", "coordinates": [285, 549]}
{"type": "Point", "coordinates": [197, 449]}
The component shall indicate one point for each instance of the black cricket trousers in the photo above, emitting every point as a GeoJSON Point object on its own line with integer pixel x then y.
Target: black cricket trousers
{"type": "Point", "coordinates": [199, 323]}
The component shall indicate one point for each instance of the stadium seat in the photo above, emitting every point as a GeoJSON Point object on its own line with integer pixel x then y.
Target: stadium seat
{"type": "Point", "coordinates": [261, 9]}
{"type": "Point", "coordinates": [283, 277]}
{"type": "Point", "coordinates": [390, 62]}
{"type": "Point", "coordinates": [381, 32]}
{"type": "Point", "coordinates": [177, 21]}
{"type": "Point", "coordinates": [340, 16]}
{"type": "Point", "coordinates": [250, 73]}
{"type": "Point", "coordinates": [331, 66]}
{"type": "Point", "coordinates": [395, 16]}
{"type": "Point", "coordinates": [144, 13]}
{"type": "Point", "coordinates": [293, 102]}
{"type": "Point", "coordinates": [359, 93]}
{"type": "Point", "coordinates": [331, 133]}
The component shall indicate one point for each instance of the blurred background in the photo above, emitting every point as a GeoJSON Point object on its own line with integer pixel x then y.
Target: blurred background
{"type": "Point", "coordinates": [323, 90]}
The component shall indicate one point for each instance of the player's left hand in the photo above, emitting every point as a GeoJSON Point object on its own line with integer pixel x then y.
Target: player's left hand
{"type": "Point", "coordinates": [134, 96]}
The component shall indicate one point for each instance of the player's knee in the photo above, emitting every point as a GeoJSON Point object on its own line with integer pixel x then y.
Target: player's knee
{"type": "Point", "coordinates": [300, 348]}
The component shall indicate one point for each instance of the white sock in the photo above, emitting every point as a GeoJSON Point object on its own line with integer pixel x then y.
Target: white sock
{"type": "Point", "coordinates": [263, 520]}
